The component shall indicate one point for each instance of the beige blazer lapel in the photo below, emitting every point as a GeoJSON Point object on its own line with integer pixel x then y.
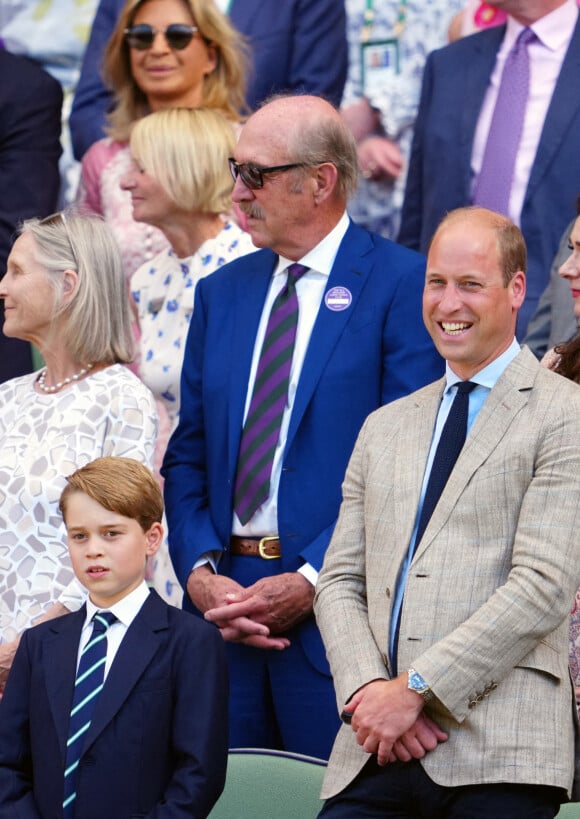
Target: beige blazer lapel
{"type": "Point", "coordinates": [498, 413]}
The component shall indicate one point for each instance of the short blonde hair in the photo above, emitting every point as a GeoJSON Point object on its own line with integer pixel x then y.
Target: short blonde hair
{"type": "Point", "coordinates": [97, 320]}
{"type": "Point", "coordinates": [186, 151]}
{"type": "Point", "coordinates": [224, 88]}
{"type": "Point", "coordinates": [121, 485]}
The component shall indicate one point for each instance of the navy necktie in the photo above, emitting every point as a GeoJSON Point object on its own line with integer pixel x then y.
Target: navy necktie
{"type": "Point", "coordinates": [448, 449]}
{"type": "Point", "coordinates": [88, 685]}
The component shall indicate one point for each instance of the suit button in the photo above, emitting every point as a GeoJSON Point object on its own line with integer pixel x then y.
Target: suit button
{"type": "Point", "coordinates": [388, 591]}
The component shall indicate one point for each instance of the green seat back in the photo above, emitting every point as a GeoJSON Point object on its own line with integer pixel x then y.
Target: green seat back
{"type": "Point", "coordinates": [263, 784]}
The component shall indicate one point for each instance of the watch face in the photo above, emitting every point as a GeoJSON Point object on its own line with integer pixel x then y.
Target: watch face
{"type": "Point", "coordinates": [416, 682]}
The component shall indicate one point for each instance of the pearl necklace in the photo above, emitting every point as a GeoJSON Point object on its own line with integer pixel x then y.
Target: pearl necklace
{"type": "Point", "coordinates": [41, 380]}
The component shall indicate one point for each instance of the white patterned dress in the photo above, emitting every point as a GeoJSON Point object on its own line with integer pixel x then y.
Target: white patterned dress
{"type": "Point", "coordinates": [163, 291]}
{"type": "Point", "coordinates": [44, 438]}
{"type": "Point", "coordinates": [377, 204]}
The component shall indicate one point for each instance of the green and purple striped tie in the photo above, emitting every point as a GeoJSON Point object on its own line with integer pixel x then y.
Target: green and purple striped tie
{"type": "Point", "coordinates": [262, 428]}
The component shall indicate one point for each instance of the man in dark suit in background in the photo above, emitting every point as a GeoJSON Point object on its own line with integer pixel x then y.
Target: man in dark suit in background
{"type": "Point", "coordinates": [461, 85]}
{"type": "Point", "coordinates": [360, 342]}
{"type": "Point", "coordinates": [297, 45]}
{"type": "Point", "coordinates": [30, 121]}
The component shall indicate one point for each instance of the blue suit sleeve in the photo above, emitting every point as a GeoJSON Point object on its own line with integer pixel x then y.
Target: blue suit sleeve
{"type": "Point", "coordinates": [412, 214]}
{"type": "Point", "coordinates": [319, 59]}
{"type": "Point", "coordinates": [92, 99]}
{"type": "Point", "coordinates": [30, 125]}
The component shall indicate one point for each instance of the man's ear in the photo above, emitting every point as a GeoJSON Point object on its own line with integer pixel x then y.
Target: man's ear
{"type": "Point", "coordinates": [325, 181]}
{"type": "Point", "coordinates": [518, 288]}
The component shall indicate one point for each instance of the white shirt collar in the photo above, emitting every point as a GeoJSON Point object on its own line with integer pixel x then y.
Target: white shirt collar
{"type": "Point", "coordinates": [126, 609]}
{"type": "Point", "coordinates": [321, 257]}
{"type": "Point", "coordinates": [554, 30]}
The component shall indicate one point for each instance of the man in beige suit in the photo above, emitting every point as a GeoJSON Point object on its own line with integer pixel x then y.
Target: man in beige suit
{"type": "Point", "coordinates": [478, 721]}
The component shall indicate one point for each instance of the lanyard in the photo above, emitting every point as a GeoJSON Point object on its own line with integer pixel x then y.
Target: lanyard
{"type": "Point", "coordinates": [369, 17]}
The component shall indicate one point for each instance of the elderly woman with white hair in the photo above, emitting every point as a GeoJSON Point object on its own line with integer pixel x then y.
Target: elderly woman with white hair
{"type": "Point", "coordinates": [65, 292]}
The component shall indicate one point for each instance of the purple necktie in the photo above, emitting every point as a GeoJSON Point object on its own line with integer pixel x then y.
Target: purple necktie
{"type": "Point", "coordinates": [262, 428]}
{"type": "Point", "coordinates": [494, 183]}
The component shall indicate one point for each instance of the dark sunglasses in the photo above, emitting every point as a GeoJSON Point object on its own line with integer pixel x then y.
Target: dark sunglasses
{"type": "Point", "coordinates": [177, 35]}
{"type": "Point", "coordinates": [253, 175]}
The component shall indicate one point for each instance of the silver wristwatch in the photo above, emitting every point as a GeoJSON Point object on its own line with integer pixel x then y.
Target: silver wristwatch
{"type": "Point", "coordinates": [417, 683]}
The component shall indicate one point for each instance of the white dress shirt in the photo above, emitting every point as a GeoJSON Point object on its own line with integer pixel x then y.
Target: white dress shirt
{"type": "Point", "coordinates": [125, 611]}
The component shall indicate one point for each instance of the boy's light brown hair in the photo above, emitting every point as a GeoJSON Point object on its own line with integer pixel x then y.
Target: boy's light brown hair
{"type": "Point", "coordinates": [121, 485]}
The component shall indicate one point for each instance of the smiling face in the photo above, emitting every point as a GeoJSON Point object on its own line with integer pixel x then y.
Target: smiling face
{"type": "Point", "coordinates": [570, 270]}
{"type": "Point", "coordinates": [151, 203]}
{"type": "Point", "coordinates": [467, 309]}
{"type": "Point", "coordinates": [108, 551]}
{"type": "Point", "coordinates": [170, 77]}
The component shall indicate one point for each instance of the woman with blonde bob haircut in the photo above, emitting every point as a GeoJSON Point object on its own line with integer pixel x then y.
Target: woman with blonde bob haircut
{"type": "Point", "coordinates": [63, 291]}
{"type": "Point", "coordinates": [162, 54]}
{"type": "Point", "coordinates": [187, 152]}
{"type": "Point", "coordinates": [179, 182]}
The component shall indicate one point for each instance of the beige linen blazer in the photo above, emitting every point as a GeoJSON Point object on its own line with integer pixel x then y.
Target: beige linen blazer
{"type": "Point", "coordinates": [485, 612]}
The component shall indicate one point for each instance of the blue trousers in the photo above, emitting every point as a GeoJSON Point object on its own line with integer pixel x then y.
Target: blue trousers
{"type": "Point", "coordinates": [278, 699]}
{"type": "Point", "coordinates": [402, 790]}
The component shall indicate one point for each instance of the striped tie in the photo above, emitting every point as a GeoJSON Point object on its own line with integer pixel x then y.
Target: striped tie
{"type": "Point", "coordinates": [88, 686]}
{"type": "Point", "coordinates": [262, 428]}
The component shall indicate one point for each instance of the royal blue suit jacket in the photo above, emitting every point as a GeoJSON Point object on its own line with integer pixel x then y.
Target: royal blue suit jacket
{"type": "Point", "coordinates": [296, 45]}
{"type": "Point", "coordinates": [357, 359]}
{"type": "Point", "coordinates": [454, 84]}
{"type": "Point", "coordinates": [157, 744]}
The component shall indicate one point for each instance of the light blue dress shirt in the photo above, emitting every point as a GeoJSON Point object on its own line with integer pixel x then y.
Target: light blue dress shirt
{"type": "Point", "coordinates": [485, 380]}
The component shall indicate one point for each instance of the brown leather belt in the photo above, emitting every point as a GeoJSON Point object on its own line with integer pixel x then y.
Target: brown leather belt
{"type": "Point", "coordinates": [264, 547]}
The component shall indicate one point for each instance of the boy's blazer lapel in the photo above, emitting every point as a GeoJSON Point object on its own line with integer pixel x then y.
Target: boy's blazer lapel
{"type": "Point", "coordinates": [61, 664]}
{"type": "Point", "coordinates": [141, 642]}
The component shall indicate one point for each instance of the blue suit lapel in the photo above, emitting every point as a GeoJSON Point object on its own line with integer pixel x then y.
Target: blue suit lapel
{"type": "Point", "coordinates": [61, 655]}
{"type": "Point", "coordinates": [248, 300]}
{"type": "Point", "coordinates": [351, 268]}
{"type": "Point", "coordinates": [564, 107]}
{"type": "Point", "coordinates": [139, 645]}
{"type": "Point", "coordinates": [477, 71]}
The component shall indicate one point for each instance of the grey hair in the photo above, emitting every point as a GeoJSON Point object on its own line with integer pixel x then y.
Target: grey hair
{"type": "Point", "coordinates": [97, 320]}
{"type": "Point", "coordinates": [327, 139]}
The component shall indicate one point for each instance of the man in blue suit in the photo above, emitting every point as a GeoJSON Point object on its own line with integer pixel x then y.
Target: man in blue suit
{"type": "Point", "coordinates": [30, 124]}
{"type": "Point", "coordinates": [360, 342]}
{"type": "Point", "coordinates": [296, 45]}
{"type": "Point", "coordinates": [459, 86]}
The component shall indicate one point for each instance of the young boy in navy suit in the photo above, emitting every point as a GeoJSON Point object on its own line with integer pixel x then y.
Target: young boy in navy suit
{"type": "Point", "coordinates": [155, 744]}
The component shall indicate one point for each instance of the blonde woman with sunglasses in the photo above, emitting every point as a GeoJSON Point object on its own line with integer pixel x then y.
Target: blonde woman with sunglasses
{"type": "Point", "coordinates": [64, 291]}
